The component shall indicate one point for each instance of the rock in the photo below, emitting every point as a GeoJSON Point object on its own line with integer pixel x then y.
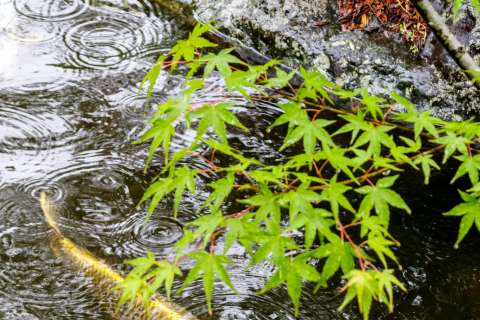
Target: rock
{"type": "Point", "coordinates": [307, 32]}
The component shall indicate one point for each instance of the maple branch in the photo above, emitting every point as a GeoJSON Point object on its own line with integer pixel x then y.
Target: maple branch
{"type": "Point", "coordinates": [456, 50]}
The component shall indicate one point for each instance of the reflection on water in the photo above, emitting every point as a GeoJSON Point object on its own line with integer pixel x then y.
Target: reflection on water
{"type": "Point", "coordinates": [69, 110]}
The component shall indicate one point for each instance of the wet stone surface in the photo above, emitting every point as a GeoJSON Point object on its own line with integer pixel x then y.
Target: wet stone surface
{"type": "Point", "coordinates": [308, 33]}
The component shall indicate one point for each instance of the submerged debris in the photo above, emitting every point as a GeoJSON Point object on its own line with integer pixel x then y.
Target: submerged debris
{"type": "Point", "coordinates": [395, 16]}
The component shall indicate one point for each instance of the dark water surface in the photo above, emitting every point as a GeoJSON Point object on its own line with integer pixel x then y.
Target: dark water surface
{"type": "Point", "coordinates": [69, 110]}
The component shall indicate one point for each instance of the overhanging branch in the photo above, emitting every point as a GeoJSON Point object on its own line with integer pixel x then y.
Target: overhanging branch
{"type": "Point", "coordinates": [456, 50]}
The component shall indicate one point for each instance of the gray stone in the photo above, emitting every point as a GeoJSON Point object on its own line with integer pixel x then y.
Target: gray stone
{"type": "Point", "coordinates": [307, 32]}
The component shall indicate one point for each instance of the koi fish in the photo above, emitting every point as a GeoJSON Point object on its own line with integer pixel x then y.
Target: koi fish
{"type": "Point", "coordinates": [158, 308]}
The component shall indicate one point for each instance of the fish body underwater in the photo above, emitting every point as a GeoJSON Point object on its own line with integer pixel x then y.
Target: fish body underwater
{"type": "Point", "coordinates": [108, 278]}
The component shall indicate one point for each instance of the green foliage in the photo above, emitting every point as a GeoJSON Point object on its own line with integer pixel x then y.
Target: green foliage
{"type": "Point", "coordinates": [367, 285]}
{"type": "Point", "coordinates": [347, 154]}
{"type": "Point", "coordinates": [146, 277]}
{"type": "Point", "coordinates": [470, 212]}
{"type": "Point", "coordinates": [208, 266]}
{"type": "Point", "coordinates": [457, 4]}
{"type": "Point", "coordinates": [216, 117]}
{"type": "Point", "coordinates": [380, 197]}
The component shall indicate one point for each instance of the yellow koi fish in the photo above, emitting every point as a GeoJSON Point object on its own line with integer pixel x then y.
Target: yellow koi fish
{"type": "Point", "coordinates": [158, 308]}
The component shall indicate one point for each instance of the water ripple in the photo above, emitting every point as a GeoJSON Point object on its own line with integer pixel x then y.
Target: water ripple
{"type": "Point", "coordinates": [104, 215]}
{"type": "Point", "coordinates": [110, 41]}
{"type": "Point", "coordinates": [134, 238]}
{"type": "Point", "coordinates": [25, 30]}
{"type": "Point", "coordinates": [29, 53]}
{"type": "Point", "coordinates": [21, 130]}
{"type": "Point", "coordinates": [52, 10]}
{"type": "Point", "coordinates": [247, 305]}
{"type": "Point", "coordinates": [33, 143]}
{"type": "Point", "coordinates": [36, 280]}
{"type": "Point", "coordinates": [145, 7]}
{"type": "Point", "coordinates": [21, 223]}
{"type": "Point", "coordinates": [96, 202]}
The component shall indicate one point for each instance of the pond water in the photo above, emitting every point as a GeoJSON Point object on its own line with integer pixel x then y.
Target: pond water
{"type": "Point", "coordinates": [69, 111]}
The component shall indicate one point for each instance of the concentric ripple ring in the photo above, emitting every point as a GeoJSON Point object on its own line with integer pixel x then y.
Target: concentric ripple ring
{"type": "Point", "coordinates": [54, 10]}
{"type": "Point", "coordinates": [103, 42]}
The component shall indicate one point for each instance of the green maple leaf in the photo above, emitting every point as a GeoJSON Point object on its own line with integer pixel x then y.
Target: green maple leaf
{"type": "Point", "coordinates": [468, 128]}
{"type": "Point", "coordinates": [157, 191]}
{"type": "Point", "coordinates": [381, 197]}
{"type": "Point", "coordinates": [241, 230]}
{"type": "Point", "coordinates": [310, 131]}
{"type": "Point", "coordinates": [367, 285]}
{"type": "Point", "coordinates": [240, 80]}
{"type": "Point", "coordinates": [280, 80]}
{"type": "Point", "coordinates": [152, 76]}
{"type": "Point", "coordinates": [361, 284]}
{"type": "Point", "coordinates": [184, 179]}
{"type": "Point", "coordinates": [452, 143]}
{"type": "Point", "coordinates": [206, 225]}
{"type": "Point", "coordinates": [298, 270]}
{"type": "Point", "coordinates": [186, 49]}
{"type": "Point", "coordinates": [216, 117]}
{"type": "Point", "coordinates": [228, 150]}
{"type": "Point", "coordinates": [379, 162]}
{"type": "Point", "coordinates": [457, 4]}
{"type": "Point", "coordinates": [209, 267]}
{"type": "Point", "coordinates": [163, 275]}
{"type": "Point", "coordinates": [267, 203]}
{"type": "Point", "coordinates": [268, 175]}
{"type": "Point", "coordinates": [179, 180]}
{"type": "Point", "coordinates": [381, 246]}
{"type": "Point", "coordinates": [470, 165]}
{"type": "Point", "coordinates": [375, 137]}
{"type": "Point", "coordinates": [272, 244]}
{"type": "Point", "coordinates": [338, 255]}
{"type": "Point", "coordinates": [373, 225]}
{"type": "Point", "coordinates": [315, 82]}
{"type": "Point", "coordinates": [386, 280]}
{"type": "Point", "coordinates": [355, 124]}
{"type": "Point", "coordinates": [161, 134]}
{"type": "Point", "coordinates": [476, 4]}
{"type": "Point", "coordinates": [146, 277]}
{"type": "Point", "coordinates": [470, 212]}
{"type": "Point", "coordinates": [294, 115]}
{"type": "Point", "coordinates": [299, 200]}
{"type": "Point", "coordinates": [401, 153]}
{"type": "Point", "coordinates": [337, 159]}
{"type": "Point", "coordinates": [373, 104]}
{"type": "Point", "coordinates": [425, 121]}
{"type": "Point", "coordinates": [221, 190]}
{"type": "Point", "coordinates": [171, 109]}
{"type": "Point", "coordinates": [334, 194]}
{"type": "Point", "coordinates": [475, 189]}
{"type": "Point", "coordinates": [220, 61]}
{"type": "Point", "coordinates": [304, 159]}
{"type": "Point", "coordinates": [132, 288]}
{"type": "Point", "coordinates": [292, 272]}
{"type": "Point", "coordinates": [315, 222]}
{"type": "Point", "coordinates": [421, 121]}
{"type": "Point", "coordinates": [426, 162]}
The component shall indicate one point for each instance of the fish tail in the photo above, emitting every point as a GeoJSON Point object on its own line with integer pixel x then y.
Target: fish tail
{"type": "Point", "coordinates": [50, 214]}
{"type": "Point", "coordinates": [98, 269]}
